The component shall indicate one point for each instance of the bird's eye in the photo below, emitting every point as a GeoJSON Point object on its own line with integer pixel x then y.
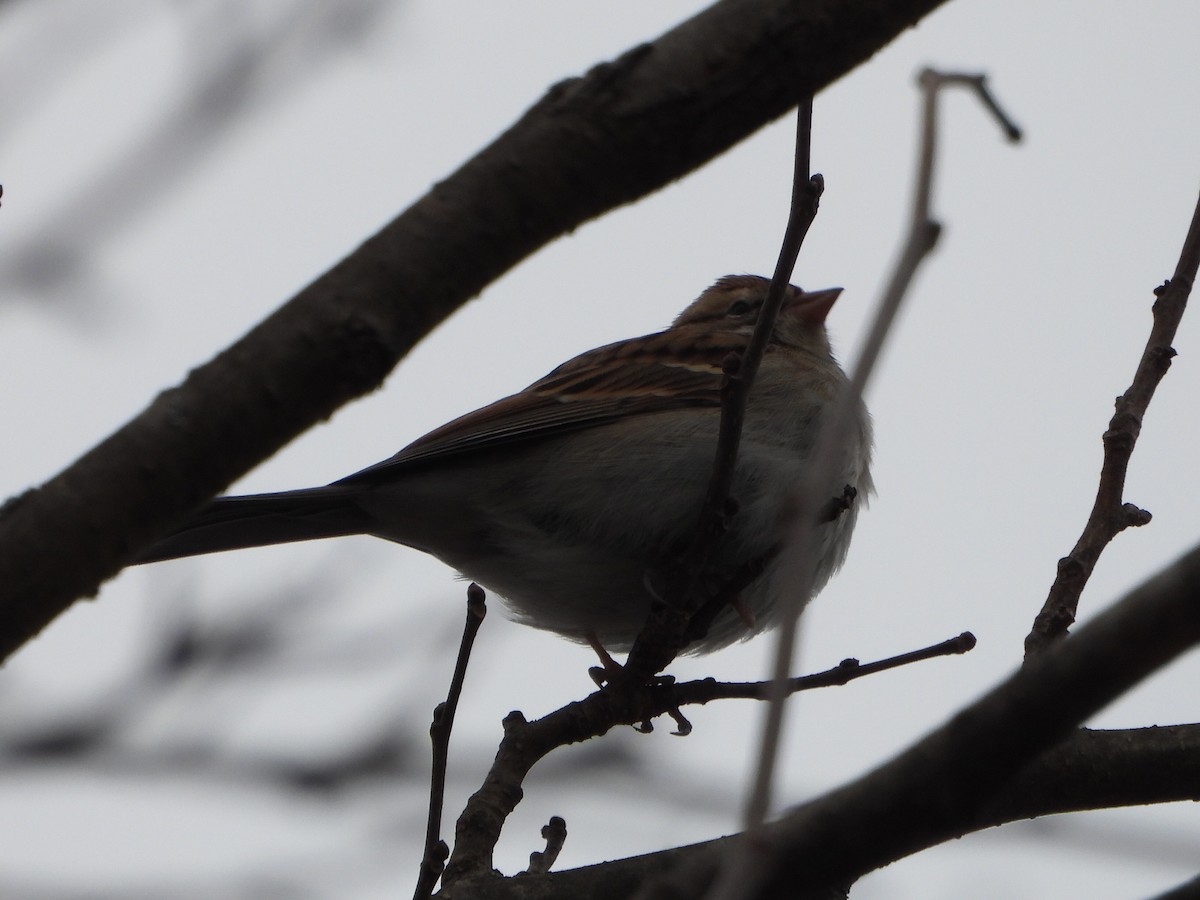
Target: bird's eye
{"type": "Point", "coordinates": [738, 308]}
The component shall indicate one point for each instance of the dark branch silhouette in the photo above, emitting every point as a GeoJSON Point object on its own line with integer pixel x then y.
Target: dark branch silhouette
{"type": "Point", "coordinates": [1110, 513]}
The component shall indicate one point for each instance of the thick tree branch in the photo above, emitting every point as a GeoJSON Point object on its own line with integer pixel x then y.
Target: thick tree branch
{"type": "Point", "coordinates": [591, 144]}
{"type": "Point", "coordinates": [1103, 770]}
{"type": "Point", "coordinates": [436, 850]}
{"type": "Point", "coordinates": [1136, 767]}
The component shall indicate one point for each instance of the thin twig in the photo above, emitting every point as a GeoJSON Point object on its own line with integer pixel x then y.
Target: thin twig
{"type": "Point", "coordinates": [667, 625]}
{"type": "Point", "coordinates": [922, 237]}
{"type": "Point", "coordinates": [692, 693]}
{"type": "Point", "coordinates": [667, 697]}
{"type": "Point", "coordinates": [978, 83]}
{"type": "Point", "coordinates": [1110, 514]}
{"type": "Point", "coordinates": [433, 860]}
{"type": "Point", "coordinates": [806, 196]}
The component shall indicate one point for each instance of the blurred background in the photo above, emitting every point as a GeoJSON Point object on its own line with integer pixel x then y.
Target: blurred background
{"type": "Point", "coordinates": [255, 725]}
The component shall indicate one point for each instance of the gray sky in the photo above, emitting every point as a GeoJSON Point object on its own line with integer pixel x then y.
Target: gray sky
{"type": "Point", "coordinates": [145, 225]}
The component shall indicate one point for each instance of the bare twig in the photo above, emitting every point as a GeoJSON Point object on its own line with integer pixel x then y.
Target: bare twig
{"type": "Point", "coordinates": [1141, 765]}
{"type": "Point", "coordinates": [692, 693]}
{"type": "Point", "coordinates": [1110, 514]}
{"type": "Point", "coordinates": [922, 237]}
{"type": "Point", "coordinates": [667, 625]}
{"type": "Point", "coordinates": [938, 788]}
{"type": "Point", "coordinates": [436, 852]}
{"type": "Point", "coordinates": [932, 82]}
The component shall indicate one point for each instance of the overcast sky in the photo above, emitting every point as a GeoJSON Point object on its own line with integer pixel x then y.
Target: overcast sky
{"type": "Point", "coordinates": [173, 172]}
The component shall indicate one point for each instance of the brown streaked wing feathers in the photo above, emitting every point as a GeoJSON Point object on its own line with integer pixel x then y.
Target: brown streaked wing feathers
{"type": "Point", "coordinates": [623, 379]}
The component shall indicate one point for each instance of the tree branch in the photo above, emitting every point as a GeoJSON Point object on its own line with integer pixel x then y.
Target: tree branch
{"type": "Point", "coordinates": [1139, 766]}
{"type": "Point", "coordinates": [436, 851]}
{"type": "Point", "coordinates": [666, 631]}
{"type": "Point", "coordinates": [1110, 514]}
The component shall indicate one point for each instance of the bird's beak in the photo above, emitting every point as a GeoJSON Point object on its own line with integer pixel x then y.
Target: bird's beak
{"type": "Point", "coordinates": [813, 306]}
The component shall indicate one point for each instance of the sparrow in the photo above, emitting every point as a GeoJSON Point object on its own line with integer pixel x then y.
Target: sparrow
{"type": "Point", "coordinates": [572, 498]}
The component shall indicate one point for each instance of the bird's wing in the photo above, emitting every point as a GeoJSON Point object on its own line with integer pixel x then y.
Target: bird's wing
{"type": "Point", "coordinates": [672, 369]}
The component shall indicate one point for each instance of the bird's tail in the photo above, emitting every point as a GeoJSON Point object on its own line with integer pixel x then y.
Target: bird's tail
{"type": "Point", "coordinates": [257, 520]}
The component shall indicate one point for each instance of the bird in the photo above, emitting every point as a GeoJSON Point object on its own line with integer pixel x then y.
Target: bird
{"type": "Point", "coordinates": [572, 498]}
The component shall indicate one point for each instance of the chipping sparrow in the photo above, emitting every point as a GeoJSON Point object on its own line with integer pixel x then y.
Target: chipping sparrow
{"type": "Point", "coordinates": [570, 498]}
